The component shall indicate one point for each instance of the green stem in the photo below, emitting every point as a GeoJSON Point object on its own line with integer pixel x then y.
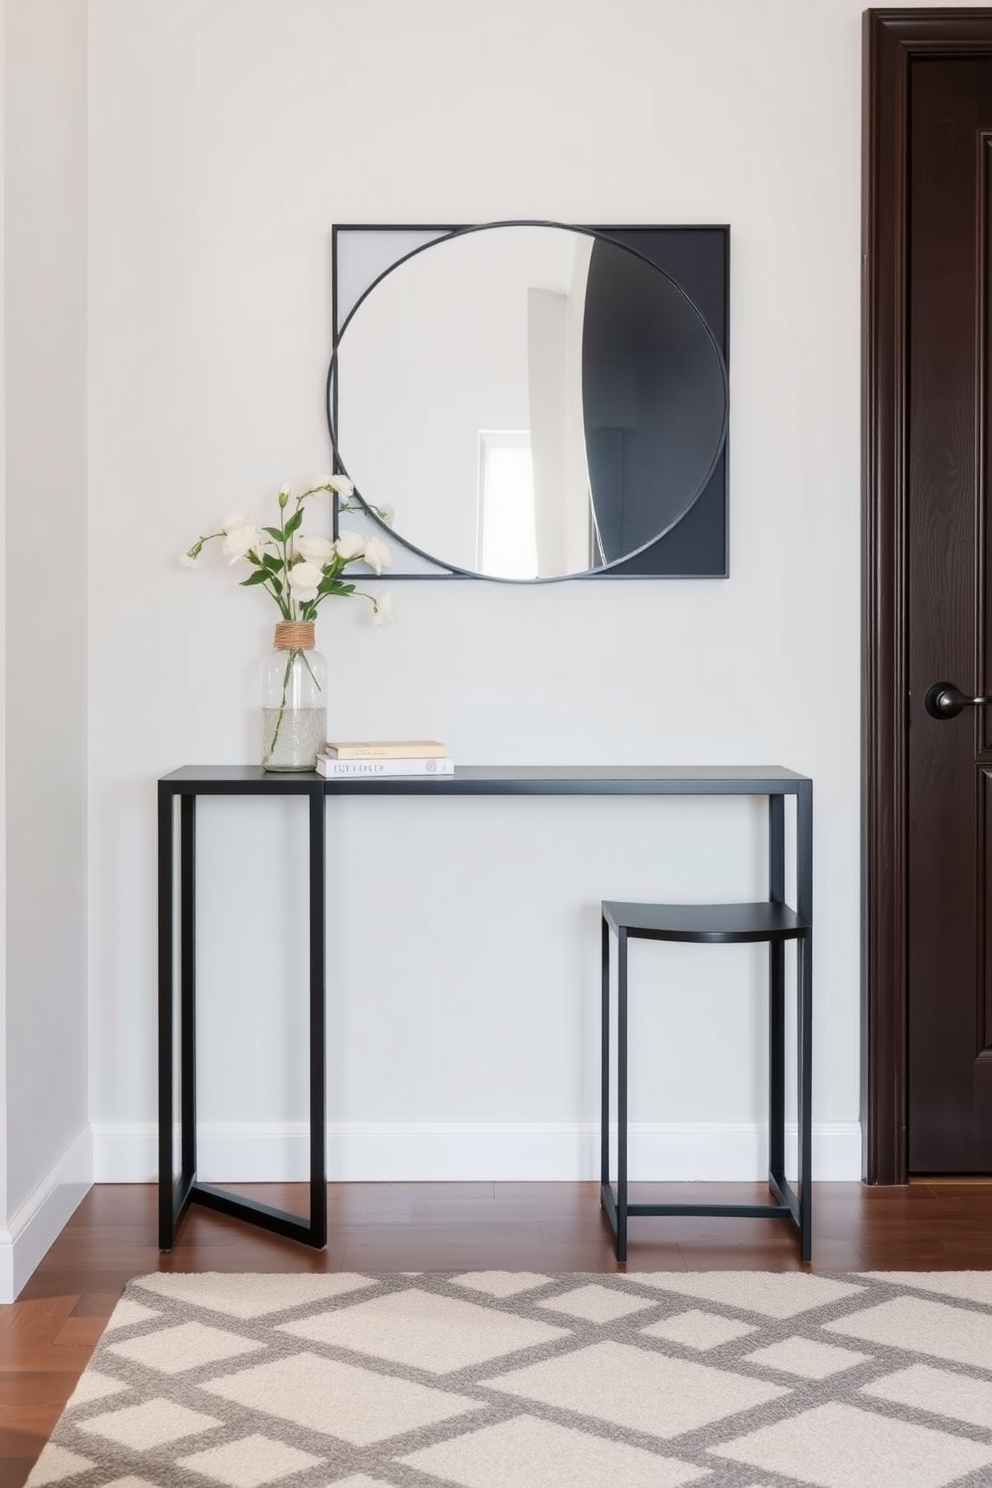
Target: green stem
{"type": "Point", "coordinates": [282, 705]}
{"type": "Point", "coordinates": [285, 572]}
{"type": "Point", "coordinates": [285, 559]}
{"type": "Point", "coordinates": [303, 658]}
{"type": "Point", "coordinates": [283, 607]}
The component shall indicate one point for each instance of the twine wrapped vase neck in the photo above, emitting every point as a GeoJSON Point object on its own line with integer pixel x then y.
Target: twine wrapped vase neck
{"type": "Point", "coordinates": [295, 635]}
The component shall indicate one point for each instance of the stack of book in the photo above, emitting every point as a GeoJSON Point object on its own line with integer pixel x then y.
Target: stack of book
{"type": "Point", "coordinates": [384, 757]}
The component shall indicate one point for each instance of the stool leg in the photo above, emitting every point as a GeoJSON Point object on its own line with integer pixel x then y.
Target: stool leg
{"type": "Point", "coordinates": [604, 1118]}
{"type": "Point", "coordinates": [776, 1059]}
{"type": "Point", "coordinates": [805, 1039]}
{"type": "Point", "coordinates": [621, 1095]}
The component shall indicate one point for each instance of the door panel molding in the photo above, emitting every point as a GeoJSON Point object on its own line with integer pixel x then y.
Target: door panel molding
{"type": "Point", "coordinates": [982, 451]}
{"type": "Point", "coordinates": [892, 40]}
{"type": "Point", "coordinates": [983, 1012]}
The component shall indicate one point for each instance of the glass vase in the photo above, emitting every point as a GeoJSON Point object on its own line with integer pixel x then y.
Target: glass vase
{"type": "Point", "coordinates": [294, 699]}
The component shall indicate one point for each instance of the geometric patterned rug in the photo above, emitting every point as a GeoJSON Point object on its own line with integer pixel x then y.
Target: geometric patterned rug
{"type": "Point", "coordinates": [733, 1379]}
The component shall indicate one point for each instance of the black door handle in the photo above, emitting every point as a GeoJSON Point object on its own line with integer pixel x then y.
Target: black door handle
{"type": "Point", "coordinates": [944, 700]}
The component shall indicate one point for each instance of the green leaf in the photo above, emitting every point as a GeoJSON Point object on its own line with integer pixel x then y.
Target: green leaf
{"type": "Point", "coordinates": [272, 562]}
{"type": "Point", "coordinates": [334, 586]}
{"type": "Point", "coordinates": [276, 584]}
{"type": "Point", "coordinates": [294, 523]}
{"type": "Point", "coordinates": [275, 533]}
{"type": "Point", "coordinates": [258, 577]}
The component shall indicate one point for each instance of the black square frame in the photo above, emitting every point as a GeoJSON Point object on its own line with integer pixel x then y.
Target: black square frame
{"type": "Point", "coordinates": [697, 258]}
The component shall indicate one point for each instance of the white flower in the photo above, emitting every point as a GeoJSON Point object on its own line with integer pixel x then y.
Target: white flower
{"type": "Point", "coordinates": [299, 571]}
{"type": "Point", "coordinates": [382, 608]}
{"type": "Point", "coordinates": [303, 580]}
{"type": "Point", "coordinates": [240, 540]}
{"type": "Point", "coordinates": [377, 555]}
{"type": "Point", "coordinates": [350, 545]}
{"type": "Point", "coordinates": [316, 549]}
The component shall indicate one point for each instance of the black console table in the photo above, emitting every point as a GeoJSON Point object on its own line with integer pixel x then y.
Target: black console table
{"type": "Point", "coordinates": [176, 1193]}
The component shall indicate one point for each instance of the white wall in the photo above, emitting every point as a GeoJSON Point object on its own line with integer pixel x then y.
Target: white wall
{"type": "Point", "coordinates": [47, 1151]}
{"type": "Point", "coordinates": [224, 137]}
{"type": "Point", "coordinates": [3, 635]}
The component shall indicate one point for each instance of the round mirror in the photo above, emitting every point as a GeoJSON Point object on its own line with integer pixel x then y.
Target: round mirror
{"type": "Point", "coordinates": [533, 400]}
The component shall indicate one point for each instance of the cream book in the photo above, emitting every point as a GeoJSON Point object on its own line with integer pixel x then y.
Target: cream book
{"type": "Point", "coordinates": [369, 769]}
{"type": "Point", "coordinates": [385, 749]}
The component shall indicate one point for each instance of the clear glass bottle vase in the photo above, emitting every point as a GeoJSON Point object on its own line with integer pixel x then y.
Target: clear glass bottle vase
{"type": "Point", "coordinates": [294, 699]}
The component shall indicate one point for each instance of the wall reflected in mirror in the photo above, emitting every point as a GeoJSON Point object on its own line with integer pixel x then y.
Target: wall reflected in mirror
{"type": "Point", "coordinates": [533, 400]}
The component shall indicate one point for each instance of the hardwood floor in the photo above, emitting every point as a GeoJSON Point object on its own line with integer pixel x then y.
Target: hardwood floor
{"type": "Point", "coordinates": [47, 1336]}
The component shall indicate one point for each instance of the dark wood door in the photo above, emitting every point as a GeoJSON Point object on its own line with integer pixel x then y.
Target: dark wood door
{"type": "Point", "coordinates": [948, 540]}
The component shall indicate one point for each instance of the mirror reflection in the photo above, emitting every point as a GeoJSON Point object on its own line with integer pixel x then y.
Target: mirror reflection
{"type": "Point", "coordinates": [533, 400]}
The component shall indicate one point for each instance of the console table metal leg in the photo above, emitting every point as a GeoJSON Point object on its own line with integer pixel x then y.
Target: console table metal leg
{"type": "Point", "coordinates": [604, 1103]}
{"type": "Point", "coordinates": [804, 905]}
{"type": "Point", "coordinates": [776, 995]}
{"type": "Point", "coordinates": [805, 1035]}
{"type": "Point", "coordinates": [318, 1022]}
{"type": "Point", "coordinates": [804, 850]}
{"type": "Point", "coordinates": [187, 990]}
{"type": "Point", "coordinates": [166, 1216]}
{"type": "Point", "coordinates": [622, 1096]}
{"type": "Point", "coordinates": [175, 1196]}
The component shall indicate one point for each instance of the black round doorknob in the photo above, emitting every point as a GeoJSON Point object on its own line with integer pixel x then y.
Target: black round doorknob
{"type": "Point", "coordinates": [945, 700]}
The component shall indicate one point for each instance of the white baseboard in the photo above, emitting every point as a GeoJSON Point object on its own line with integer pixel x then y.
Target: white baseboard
{"type": "Point", "coordinates": [422, 1152]}
{"type": "Point", "coordinates": [39, 1222]}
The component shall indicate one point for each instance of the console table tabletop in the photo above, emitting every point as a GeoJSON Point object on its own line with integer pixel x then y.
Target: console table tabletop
{"type": "Point", "coordinates": [760, 780]}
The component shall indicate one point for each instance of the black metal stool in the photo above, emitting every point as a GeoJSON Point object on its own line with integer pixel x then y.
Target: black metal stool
{"type": "Point", "coordinates": [719, 924]}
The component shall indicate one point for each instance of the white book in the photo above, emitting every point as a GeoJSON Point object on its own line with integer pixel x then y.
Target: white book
{"type": "Point", "coordinates": [374, 768]}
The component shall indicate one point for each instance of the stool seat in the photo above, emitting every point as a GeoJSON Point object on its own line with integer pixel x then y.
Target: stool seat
{"type": "Point", "coordinates": [706, 924]}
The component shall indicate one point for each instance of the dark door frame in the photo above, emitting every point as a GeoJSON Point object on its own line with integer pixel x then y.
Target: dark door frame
{"type": "Point", "coordinates": [892, 40]}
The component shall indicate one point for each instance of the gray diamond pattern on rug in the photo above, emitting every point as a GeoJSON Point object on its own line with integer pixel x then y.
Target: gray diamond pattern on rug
{"type": "Point", "coordinates": [732, 1379]}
